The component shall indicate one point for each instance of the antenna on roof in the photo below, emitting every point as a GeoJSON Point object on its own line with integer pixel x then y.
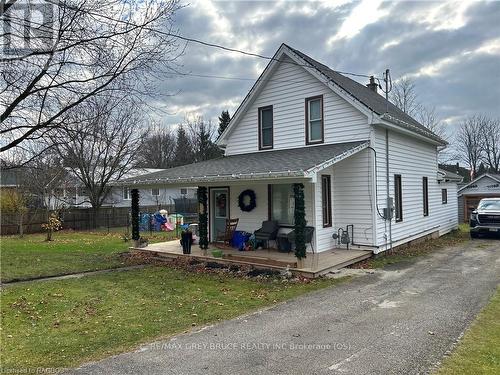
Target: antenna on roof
{"type": "Point", "coordinates": [388, 88]}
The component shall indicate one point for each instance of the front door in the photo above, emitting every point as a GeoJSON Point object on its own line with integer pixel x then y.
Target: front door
{"type": "Point", "coordinates": [219, 211]}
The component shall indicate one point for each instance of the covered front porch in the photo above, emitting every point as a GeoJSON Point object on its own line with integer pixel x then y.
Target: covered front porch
{"type": "Point", "coordinates": [313, 265]}
{"type": "Point", "coordinates": [304, 191]}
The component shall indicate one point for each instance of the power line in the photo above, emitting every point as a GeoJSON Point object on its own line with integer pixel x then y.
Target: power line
{"type": "Point", "coordinates": [220, 46]}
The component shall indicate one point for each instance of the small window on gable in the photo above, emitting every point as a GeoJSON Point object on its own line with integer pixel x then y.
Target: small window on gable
{"type": "Point", "coordinates": [444, 196]}
{"type": "Point", "coordinates": [155, 192]}
{"type": "Point", "coordinates": [266, 127]}
{"type": "Point", "coordinates": [314, 120]}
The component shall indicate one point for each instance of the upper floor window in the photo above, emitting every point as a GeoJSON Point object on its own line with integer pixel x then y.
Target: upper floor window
{"type": "Point", "coordinates": [266, 127]}
{"type": "Point", "coordinates": [314, 119]}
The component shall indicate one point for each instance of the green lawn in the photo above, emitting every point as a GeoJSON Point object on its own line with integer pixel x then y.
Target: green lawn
{"type": "Point", "coordinates": [64, 323]}
{"type": "Point", "coordinates": [479, 350]}
{"type": "Point", "coordinates": [412, 252]}
{"type": "Point", "coordinates": [32, 256]}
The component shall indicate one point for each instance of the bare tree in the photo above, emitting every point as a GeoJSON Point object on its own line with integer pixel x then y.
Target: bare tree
{"type": "Point", "coordinates": [157, 149]}
{"type": "Point", "coordinates": [101, 146]}
{"type": "Point", "coordinates": [404, 96]}
{"type": "Point", "coordinates": [81, 51]}
{"type": "Point", "coordinates": [428, 117]}
{"type": "Point", "coordinates": [42, 178]}
{"type": "Point", "coordinates": [469, 142]}
{"type": "Point", "coordinates": [491, 143]}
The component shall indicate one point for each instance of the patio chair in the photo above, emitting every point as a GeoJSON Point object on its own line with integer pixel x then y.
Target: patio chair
{"type": "Point", "coordinates": [308, 236]}
{"type": "Point", "coordinates": [226, 236]}
{"type": "Point", "coordinates": [267, 232]}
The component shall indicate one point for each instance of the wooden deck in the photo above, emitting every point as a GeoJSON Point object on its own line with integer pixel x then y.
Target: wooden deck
{"type": "Point", "coordinates": [313, 266]}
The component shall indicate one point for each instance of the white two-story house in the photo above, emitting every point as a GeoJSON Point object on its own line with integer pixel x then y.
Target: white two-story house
{"type": "Point", "coordinates": [363, 162]}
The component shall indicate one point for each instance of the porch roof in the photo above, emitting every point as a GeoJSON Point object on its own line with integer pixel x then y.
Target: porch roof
{"type": "Point", "coordinates": [301, 162]}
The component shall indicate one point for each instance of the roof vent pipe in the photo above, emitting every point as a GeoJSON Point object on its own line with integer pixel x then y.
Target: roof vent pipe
{"type": "Point", "coordinates": [372, 85]}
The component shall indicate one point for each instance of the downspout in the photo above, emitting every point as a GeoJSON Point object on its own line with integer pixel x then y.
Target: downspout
{"type": "Point", "coordinates": [388, 216]}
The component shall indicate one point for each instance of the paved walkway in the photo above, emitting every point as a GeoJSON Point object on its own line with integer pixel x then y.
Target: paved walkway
{"type": "Point", "coordinates": [397, 322]}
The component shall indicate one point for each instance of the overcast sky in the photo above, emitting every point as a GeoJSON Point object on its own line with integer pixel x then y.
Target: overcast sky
{"type": "Point", "coordinates": [450, 49]}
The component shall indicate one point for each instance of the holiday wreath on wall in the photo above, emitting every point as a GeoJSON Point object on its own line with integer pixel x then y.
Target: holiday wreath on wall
{"type": "Point", "coordinates": [247, 200]}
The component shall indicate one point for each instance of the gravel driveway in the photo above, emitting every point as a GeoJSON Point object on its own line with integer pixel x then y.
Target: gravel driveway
{"type": "Point", "coordinates": [398, 321]}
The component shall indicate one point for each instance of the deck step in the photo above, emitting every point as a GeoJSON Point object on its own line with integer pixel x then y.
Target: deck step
{"type": "Point", "coordinates": [262, 260]}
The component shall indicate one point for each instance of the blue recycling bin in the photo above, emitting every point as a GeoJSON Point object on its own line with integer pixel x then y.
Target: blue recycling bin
{"type": "Point", "coordinates": [239, 239]}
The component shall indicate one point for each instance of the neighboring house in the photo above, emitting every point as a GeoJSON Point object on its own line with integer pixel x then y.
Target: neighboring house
{"type": "Point", "coordinates": [354, 153]}
{"type": "Point", "coordinates": [73, 194]}
{"type": "Point", "coordinates": [9, 179]}
{"type": "Point", "coordinates": [485, 186]}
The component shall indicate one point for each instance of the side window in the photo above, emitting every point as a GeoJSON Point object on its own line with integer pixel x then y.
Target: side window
{"type": "Point", "coordinates": [398, 198]}
{"type": "Point", "coordinates": [425, 193]}
{"type": "Point", "coordinates": [326, 197]}
{"type": "Point", "coordinates": [126, 193]}
{"type": "Point", "coordinates": [444, 196]}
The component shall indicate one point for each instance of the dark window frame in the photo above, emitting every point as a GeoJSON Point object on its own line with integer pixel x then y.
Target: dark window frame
{"type": "Point", "coordinates": [259, 110]}
{"type": "Point", "coordinates": [307, 100]}
{"type": "Point", "coordinates": [326, 207]}
{"type": "Point", "coordinates": [398, 198]}
{"type": "Point", "coordinates": [425, 195]}
{"type": "Point", "coordinates": [444, 196]}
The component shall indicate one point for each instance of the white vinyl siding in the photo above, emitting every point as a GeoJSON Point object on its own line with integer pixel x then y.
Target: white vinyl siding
{"type": "Point", "coordinates": [447, 214]}
{"type": "Point", "coordinates": [351, 201]}
{"type": "Point", "coordinates": [286, 91]}
{"type": "Point", "coordinates": [412, 159]}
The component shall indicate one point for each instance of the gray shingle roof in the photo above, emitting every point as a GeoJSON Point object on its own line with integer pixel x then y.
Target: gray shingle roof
{"type": "Point", "coordinates": [369, 98]}
{"type": "Point", "coordinates": [447, 175]}
{"type": "Point", "coordinates": [288, 162]}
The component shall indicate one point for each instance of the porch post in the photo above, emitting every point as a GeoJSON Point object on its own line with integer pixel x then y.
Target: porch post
{"type": "Point", "coordinates": [300, 221]}
{"type": "Point", "coordinates": [203, 217]}
{"type": "Point", "coordinates": [134, 195]}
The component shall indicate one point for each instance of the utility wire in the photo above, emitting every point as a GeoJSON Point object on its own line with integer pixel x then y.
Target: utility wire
{"type": "Point", "coordinates": [216, 45]}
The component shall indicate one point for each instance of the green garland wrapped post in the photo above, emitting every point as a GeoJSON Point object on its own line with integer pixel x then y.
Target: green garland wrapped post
{"type": "Point", "coordinates": [134, 195]}
{"type": "Point", "coordinates": [300, 221]}
{"type": "Point", "coordinates": [203, 217]}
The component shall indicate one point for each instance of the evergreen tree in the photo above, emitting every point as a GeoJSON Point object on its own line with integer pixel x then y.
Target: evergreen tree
{"type": "Point", "coordinates": [204, 147]}
{"type": "Point", "coordinates": [183, 148]}
{"type": "Point", "coordinates": [224, 119]}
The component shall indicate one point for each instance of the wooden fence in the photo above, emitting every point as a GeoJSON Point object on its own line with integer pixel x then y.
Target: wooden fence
{"type": "Point", "coordinates": [76, 219]}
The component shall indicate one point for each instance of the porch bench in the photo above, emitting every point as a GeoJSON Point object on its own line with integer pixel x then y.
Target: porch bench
{"type": "Point", "coordinates": [290, 237]}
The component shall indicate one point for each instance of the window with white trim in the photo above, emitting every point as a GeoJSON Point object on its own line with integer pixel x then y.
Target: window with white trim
{"type": "Point", "coordinates": [314, 119]}
{"type": "Point", "coordinates": [126, 193]}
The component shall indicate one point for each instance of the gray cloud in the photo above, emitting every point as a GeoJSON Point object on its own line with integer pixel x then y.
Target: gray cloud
{"type": "Point", "coordinates": [431, 41]}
